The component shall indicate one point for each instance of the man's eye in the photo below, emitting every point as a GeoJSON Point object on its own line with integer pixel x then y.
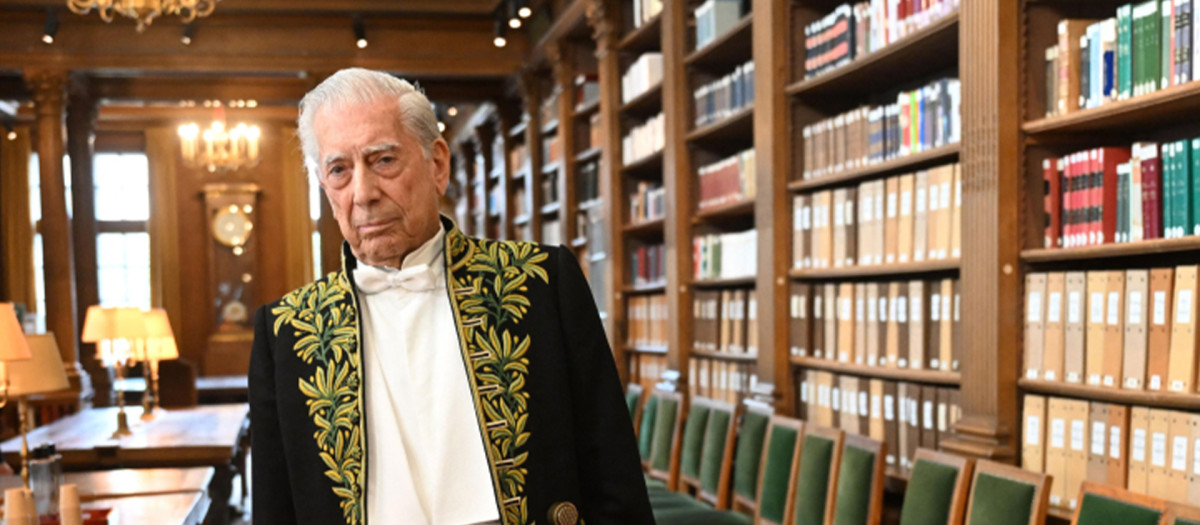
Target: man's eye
{"type": "Point", "coordinates": [336, 170]}
{"type": "Point", "coordinates": [387, 159]}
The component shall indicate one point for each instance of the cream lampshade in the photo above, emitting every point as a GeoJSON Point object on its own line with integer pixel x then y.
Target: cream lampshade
{"type": "Point", "coordinates": [120, 334]}
{"type": "Point", "coordinates": [13, 346]}
{"type": "Point", "coordinates": [160, 346]}
{"type": "Point", "coordinates": [42, 374]}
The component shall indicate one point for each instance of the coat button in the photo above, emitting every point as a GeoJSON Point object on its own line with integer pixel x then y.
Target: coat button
{"type": "Point", "coordinates": [563, 513]}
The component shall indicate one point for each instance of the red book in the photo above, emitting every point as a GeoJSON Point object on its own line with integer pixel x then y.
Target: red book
{"type": "Point", "coordinates": [1073, 198]}
{"type": "Point", "coordinates": [1095, 198]}
{"type": "Point", "coordinates": [1108, 159]}
{"type": "Point", "coordinates": [1068, 198]}
{"type": "Point", "coordinates": [1151, 192]}
{"type": "Point", "coordinates": [1052, 202]}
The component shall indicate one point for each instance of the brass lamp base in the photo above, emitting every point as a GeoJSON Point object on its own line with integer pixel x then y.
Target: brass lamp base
{"type": "Point", "coordinates": [122, 425]}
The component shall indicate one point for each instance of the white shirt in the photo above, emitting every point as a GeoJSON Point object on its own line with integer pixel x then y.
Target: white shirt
{"type": "Point", "coordinates": [426, 461]}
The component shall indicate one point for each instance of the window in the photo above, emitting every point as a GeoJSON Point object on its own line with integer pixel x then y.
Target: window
{"type": "Point", "coordinates": [122, 185]}
{"type": "Point", "coordinates": [35, 220]}
{"type": "Point", "coordinates": [314, 213]}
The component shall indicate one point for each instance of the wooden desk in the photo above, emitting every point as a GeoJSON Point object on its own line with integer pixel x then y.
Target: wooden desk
{"type": "Point", "coordinates": [215, 436]}
{"type": "Point", "coordinates": [142, 496]}
{"type": "Point", "coordinates": [162, 509]}
{"type": "Point", "coordinates": [211, 390]}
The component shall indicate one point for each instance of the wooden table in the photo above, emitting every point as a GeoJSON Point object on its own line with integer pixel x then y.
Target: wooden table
{"type": "Point", "coordinates": [142, 496]}
{"type": "Point", "coordinates": [210, 390]}
{"type": "Point", "coordinates": [213, 435]}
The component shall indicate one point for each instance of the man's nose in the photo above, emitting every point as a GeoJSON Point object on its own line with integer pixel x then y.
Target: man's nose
{"type": "Point", "coordinates": [366, 185]}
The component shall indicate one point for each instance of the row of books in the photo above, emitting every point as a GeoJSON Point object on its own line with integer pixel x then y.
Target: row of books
{"type": "Point", "coordinates": [1106, 195]}
{"type": "Point", "coordinates": [646, 316]}
{"type": "Point", "coordinates": [549, 110]}
{"type": "Point", "coordinates": [552, 150]}
{"type": "Point", "coordinates": [552, 231]}
{"type": "Point", "coordinates": [644, 73]}
{"type": "Point", "coordinates": [1145, 450]}
{"type": "Point", "coordinates": [594, 137]}
{"type": "Point", "coordinates": [727, 180]}
{"type": "Point", "coordinates": [587, 89]}
{"type": "Point", "coordinates": [914, 324]}
{"type": "Point", "coordinates": [648, 202]}
{"type": "Point", "coordinates": [1132, 329]}
{"type": "Point", "coordinates": [648, 264]}
{"type": "Point", "coordinates": [725, 96]}
{"type": "Point", "coordinates": [1146, 47]}
{"type": "Point", "coordinates": [645, 10]}
{"type": "Point", "coordinates": [920, 120]}
{"type": "Point", "coordinates": [643, 140]}
{"type": "Point", "coordinates": [852, 31]}
{"type": "Point", "coordinates": [587, 181]}
{"type": "Point", "coordinates": [905, 218]}
{"type": "Point", "coordinates": [719, 379]}
{"type": "Point", "coordinates": [646, 369]}
{"type": "Point", "coordinates": [725, 255]}
{"type": "Point", "coordinates": [715, 17]}
{"type": "Point", "coordinates": [549, 184]}
{"type": "Point", "coordinates": [904, 416]}
{"type": "Point", "coordinates": [495, 200]}
{"type": "Point", "coordinates": [521, 204]}
{"type": "Point", "coordinates": [518, 156]}
{"type": "Point", "coordinates": [725, 321]}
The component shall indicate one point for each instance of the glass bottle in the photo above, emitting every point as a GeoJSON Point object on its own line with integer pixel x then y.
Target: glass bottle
{"type": "Point", "coordinates": [45, 476]}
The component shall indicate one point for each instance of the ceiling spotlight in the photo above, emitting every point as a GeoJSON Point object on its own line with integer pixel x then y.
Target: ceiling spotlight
{"type": "Point", "coordinates": [452, 111]}
{"type": "Point", "coordinates": [360, 32]}
{"type": "Point", "coordinates": [12, 133]}
{"type": "Point", "coordinates": [501, 29]}
{"type": "Point", "coordinates": [441, 127]}
{"type": "Point", "coordinates": [189, 30]}
{"type": "Point", "coordinates": [514, 23]}
{"type": "Point", "coordinates": [523, 9]}
{"type": "Point", "coordinates": [51, 27]}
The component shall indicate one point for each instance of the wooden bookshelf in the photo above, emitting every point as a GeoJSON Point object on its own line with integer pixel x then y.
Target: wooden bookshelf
{"type": "Point", "coordinates": [726, 51]}
{"type": "Point", "coordinates": [733, 282]}
{"type": "Point", "coordinates": [737, 127]}
{"type": "Point", "coordinates": [644, 38]}
{"type": "Point", "coordinates": [1108, 251]}
{"type": "Point", "coordinates": [550, 128]}
{"type": "Point", "coordinates": [909, 163]}
{"type": "Point", "coordinates": [646, 288]}
{"type": "Point", "coordinates": [589, 154]}
{"type": "Point", "coordinates": [932, 377]}
{"type": "Point", "coordinates": [1146, 398]}
{"type": "Point", "coordinates": [585, 110]}
{"type": "Point", "coordinates": [1174, 105]}
{"type": "Point", "coordinates": [880, 270]}
{"type": "Point", "coordinates": [660, 350]}
{"type": "Point", "coordinates": [649, 167]}
{"type": "Point", "coordinates": [646, 103]}
{"type": "Point", "coordinates": [738, 208]}
{"type": "Point", "coordinates": [645, 228]}
{"type": "Point", "coordinates": [724, 356]}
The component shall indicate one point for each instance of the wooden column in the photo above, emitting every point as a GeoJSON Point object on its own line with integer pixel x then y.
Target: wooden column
{"type": "Point", "coordinates": [602, 16]}
{"type": "Point", "coordinates": [49, 91]}
{"type": "Point", "coordinates": [485, 136]}
{"type": "Point", "coordinates": [505, 120]}
{"type": "Point", "coordinates": [677, 181]}
{"type": "Point", "coordinates": [991, 241]}
{"type": "Point", "coordinates": [532, 102]}
{"type": "Point", "coordinates": [562, 59]}
{"type": "Point", "coordinates": [772, 207]}
{"type": "Point", "coordinates": [82, 109]}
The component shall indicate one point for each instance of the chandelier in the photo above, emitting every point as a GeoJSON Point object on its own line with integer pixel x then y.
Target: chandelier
{"type": "Point", "coordinates": [144, 11]}
{"type": "Point", "coordinates": [219, 148]}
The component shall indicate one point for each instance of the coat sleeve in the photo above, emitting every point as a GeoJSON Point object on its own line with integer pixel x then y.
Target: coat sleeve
{"type": "Point", "coordinates": [611, 481]}
{"type": "Point", "coordinates": [271, 490]}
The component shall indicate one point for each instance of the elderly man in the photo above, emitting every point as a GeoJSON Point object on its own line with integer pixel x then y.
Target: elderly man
{"type": "Point", "coordinates": [436, 378]}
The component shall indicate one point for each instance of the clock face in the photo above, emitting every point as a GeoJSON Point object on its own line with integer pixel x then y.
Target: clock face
{"type": "Point", "coordinates": [231, 226]}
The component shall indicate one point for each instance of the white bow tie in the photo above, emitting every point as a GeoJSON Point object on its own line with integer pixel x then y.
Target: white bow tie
{"type": "Point", "coordinates": [418, 278]}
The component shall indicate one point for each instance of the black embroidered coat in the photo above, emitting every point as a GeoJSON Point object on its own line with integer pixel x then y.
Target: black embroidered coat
{"type": "Point", "coordinates": [552, 419]}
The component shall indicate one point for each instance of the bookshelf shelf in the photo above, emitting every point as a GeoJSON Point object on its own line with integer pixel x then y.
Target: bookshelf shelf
{"type": "Point", "coordinates": [1112, 395]}
{"type": "Point", "coordinates": [522, 220]}
{"type": "Point", "coordinates": [521, 173]}
{"type": "Point", "coordinates": [912, 57]}
{"type": "Point", "coordinates": [552, 167]}
{"type": "Point", "coordinates": [589, 154]}
{"type": "Point", "coordinates": [496, 174]}
{"type": "Point", "coordinates": [725, 356]}
{"type": "Point", "coordinates": [579, 242]}
{"type": "Point", "coordinates": [941, 155]}
{"type": "Point", "coordinates": [1055, 513]}
{"type": "Point", "coordinates": [740, 208]}
{"type": "Point", "coordinates": [646, 103]}
{"type": "Point", "coordinates": [880, 270]}
{"type": "Point", "coordinates": [589, 204]}
{"type": "Point", "coordinates": [586, 109]}
{"type": "Point", "coordinates": [1128, 249]}
{"type": "Point", "coordinates": [897, 482]}
{"type": "Point", "coordinates": [1176, 104]}
{"type": "Point", "coordinates": [518, 131]}
{"type": "Point", "coordinates": [647, 349]}
{"type": "Point", "coordinates": [726, 51]}
{"type": "Point", "coordinates": [935, 377]}
{"type": "Point", "coordinates": [734, 282]}
{"type": "Point", "coordinates": [648, 167]}
{"type": "Point", "coordinates": [644, 38]}
{"type": "Point", "coordinates": [645, 228]}
{"type": "Point", "coordinates": [646, 288]}
{"type": "Point", "coordinates": [551, 208]}
{"type": "Point", "coordinates": [737, 127]}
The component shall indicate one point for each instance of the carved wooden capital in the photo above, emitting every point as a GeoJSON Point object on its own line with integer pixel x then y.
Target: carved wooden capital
{"type": "Point", "coordinates": [49, 88]}
{"type": "Point", "coordinates": [600, 18]}
{"type": "Point", "coordinates": [559, 55]}
{"type": "Point", "coordinates": [529, 89]}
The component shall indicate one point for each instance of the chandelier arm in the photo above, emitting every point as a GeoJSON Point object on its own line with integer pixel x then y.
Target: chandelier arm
{"type": "Point", "coordinates": [80, 7]}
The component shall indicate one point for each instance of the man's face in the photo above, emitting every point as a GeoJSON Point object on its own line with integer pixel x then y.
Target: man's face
{"type": "Point", "coordinates": [382, 187]}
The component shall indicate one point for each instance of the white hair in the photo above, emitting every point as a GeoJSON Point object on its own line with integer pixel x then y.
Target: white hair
{"type": "Point", "coordinates": [361, 86]}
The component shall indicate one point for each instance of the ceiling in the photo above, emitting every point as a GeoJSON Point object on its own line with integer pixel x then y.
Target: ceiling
{"type": "Point", "coordinates": [396, 7]}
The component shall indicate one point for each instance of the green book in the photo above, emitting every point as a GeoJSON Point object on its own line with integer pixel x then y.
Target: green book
{"type": "Point", "coordinates": [1168, 192]}
{"type": "Point", "coordinates": [1122, 203]}
{"type": "Point", "coordinates": [1183, 187]}
{"type": "Point", "coordinates": [1165, 60]}
{"type": "Point", "coordinates": [1124, 51]}
{"type": "Point", "coordinates": [1152, 50]}
{"type": "Point", "coordinates": [1195, 186]}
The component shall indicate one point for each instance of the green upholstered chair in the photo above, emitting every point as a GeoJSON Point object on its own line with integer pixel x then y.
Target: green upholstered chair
{"type": "Point", "coordinates": [1181, 514]}
{"type": "Point", "coordinates": [664, 447]}
{"type": "Point", "coordinates": [1006, 495]}
{"type": "Point", "coordinates": [1105, 505]}
{"type": "Point", "coordinates": [814, 476]}
{"type": "Point", "coordinates": [633, 399]}
{"type": "Point", "coordinates": [859, 497]}
{"type": "Point", "coordinates": [646, 435]}
{"type": "Point", "coordinates": [748, 456]}
{"type": "Point", "coordinates": [937, 489]}
{"type": "Point", "coordinates": [694, 432]}
{"type": "Point", "coordinates": [780, 451]}
{"type": "Point", "coordinates": [716, 456]}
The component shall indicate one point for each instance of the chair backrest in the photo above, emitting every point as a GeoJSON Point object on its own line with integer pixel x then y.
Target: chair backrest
{"type": "Point", "coordinates": [747, 458]}
{"type": "Point", "coordinates": [1107, 505]}
{"type": "Point", "coordinates": [780, 451]}
{"type": "Point", "coordinates": [716, 456]}
{"type": "Point", "coordinates": [646, 434]}
{"type": "Point", "coordinates": [937, 489]}
{"type": "Point", "coordinates": [1007, 495]}
{"type": "Point", "coordinates": [664, 450]}
{"type": "Point", "coordinates": [859, 498]}
{"type": "Point", "coordinates": [1181, 514]}
{"type": "Point", "coordinates": [633, 400]}
{"type": "Point", "coordinates": [814, 474]}
{"type": "Point", "coordinates": [693, 440]}
{"type": "Point", "coordinates": [177, 384]}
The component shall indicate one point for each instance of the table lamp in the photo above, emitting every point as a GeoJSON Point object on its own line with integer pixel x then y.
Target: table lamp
{"type": "Point", "coordinates": [117, 332]}
{"type": "Point", "coordinates": [42, 374]}
{"type": "Point", "coordinates": [159, 346]}
{"type": "Point", "coordinates": [12, 345]}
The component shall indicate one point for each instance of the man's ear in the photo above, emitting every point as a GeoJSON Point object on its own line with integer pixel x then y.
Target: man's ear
{"type": "Point", "coordinates": [440, 152]}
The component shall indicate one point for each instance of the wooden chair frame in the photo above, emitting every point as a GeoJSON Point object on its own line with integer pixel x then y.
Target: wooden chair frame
{"type": "Point", "coordinates": [671, 475]}
{"type": "Point", "coordinates": [739, 502]}
{"type": "Point", "coordinates": [965, 468]}
{"type": "Point", "coordinates": [1120, 494]}
{"type": "Point", "coordinates": [637, 408]}
{"type": "Point", "coordinates": [1177, 510]}
{"type": "Point", "coordinates": [720, 500]}
{"type": "Point", "coordinates": [777, 422]}
{"type": "Point", "coordinates": [875, 512]}
{"type": "Point", "coordinates": [834, 466]}
{"type": "Point", "coordinates": [1041, 483]}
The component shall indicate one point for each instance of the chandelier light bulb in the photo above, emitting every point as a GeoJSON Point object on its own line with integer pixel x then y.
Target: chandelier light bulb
{"type": "Point", "coordinates": [441, 127]}
{"type": "Point", "coordinates": [524, 12]}
{"type": "Point", "coordinates": [12, 135]}
{"type": "Point", "coordinates": [452, 111]}
{"type": "Point", "coordinates": [47, 39]}
{"type": "Point", "coordinates": [361, 43]}
{"type": "Point", "coordinates": [514, 23]}
{"type": "Point", "coordinates": [499, 41]}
